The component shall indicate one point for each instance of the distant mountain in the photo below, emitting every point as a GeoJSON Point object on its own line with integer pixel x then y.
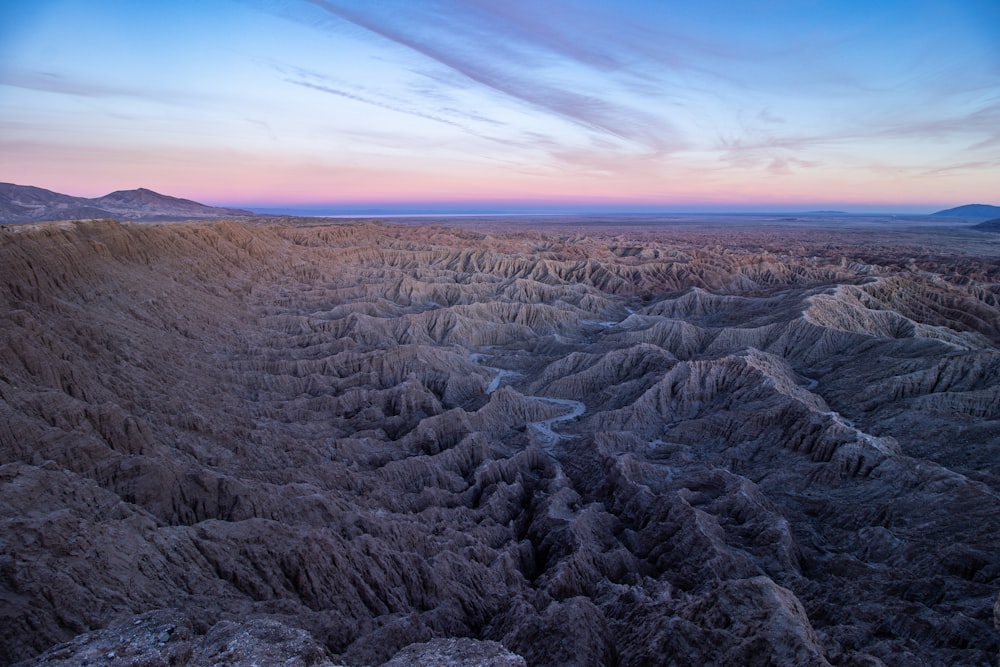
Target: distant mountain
{"type": "Point", "coordinates": [988, 226]}
{"type": "Point", "coordinates": [25, 203]}
{"type": "Point", "coordinates": [970, 211]}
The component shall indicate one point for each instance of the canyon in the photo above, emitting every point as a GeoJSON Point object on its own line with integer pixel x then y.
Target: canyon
{"type": "Point", "coordinates": [504, 442]}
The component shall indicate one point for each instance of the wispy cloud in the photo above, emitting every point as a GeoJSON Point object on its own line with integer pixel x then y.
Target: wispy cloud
{"type": "Point", "coordinates": [982, 126]}
{"type": "Point", "coordinates": [52, 82]}
{"type": "Point", "coordinates": [979, 165]}
{"type": "Point", "coordinates": [647, 91]}
{"type": "Point", "coordinates": [781, 149]}
{"type": "Point", "coordinates": [508, 77]}
{"type": "Point", "coordinates": [777, 153]}
{"type": "Point", "coordinates": [368, 100]}
{"type": "Point", "coordinates": [767, 116]}
{"type": "Point", "coordinates": [519, 96]}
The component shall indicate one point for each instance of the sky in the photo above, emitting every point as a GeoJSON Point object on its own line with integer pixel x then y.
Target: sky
{"type": "Point", "coordinates": [519, 105]}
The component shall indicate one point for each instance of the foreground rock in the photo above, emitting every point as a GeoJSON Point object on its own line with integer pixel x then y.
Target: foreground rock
{"type": "Point", "coordinates": [165, 637]}
{"type": "Point", "coordinates": [359, 444]}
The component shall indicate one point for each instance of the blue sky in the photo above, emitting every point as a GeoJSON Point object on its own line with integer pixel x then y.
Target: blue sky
{"type": "Point", "coordinates": [776, 105]}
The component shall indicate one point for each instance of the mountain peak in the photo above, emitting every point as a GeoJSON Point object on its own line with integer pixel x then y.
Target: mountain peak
{"type": "Point", "coordinates": [25, 203]}
{"type": "Point", "coordinates": [970, 211]}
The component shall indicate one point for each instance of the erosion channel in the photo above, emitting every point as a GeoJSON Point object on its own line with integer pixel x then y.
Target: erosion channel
{"type": "Point", "coordinates": [358, 443]}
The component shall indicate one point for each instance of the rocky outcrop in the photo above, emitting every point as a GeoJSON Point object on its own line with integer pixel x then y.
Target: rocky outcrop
{"type": "Point", "coordinates": [317, 443]}
{"type": "Point", "coordinates": [165, 637]}
{"type": "Point", "coordinates": [456, 653]}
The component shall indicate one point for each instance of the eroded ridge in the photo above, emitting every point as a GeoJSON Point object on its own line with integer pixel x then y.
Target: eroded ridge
{"type": "Point", "coordinates": [346, 440]}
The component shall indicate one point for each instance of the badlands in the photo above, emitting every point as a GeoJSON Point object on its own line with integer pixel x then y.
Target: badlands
{"type": "Point", "coordinates": [630, 443]}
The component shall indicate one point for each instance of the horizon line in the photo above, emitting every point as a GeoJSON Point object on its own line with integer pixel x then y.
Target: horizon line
{"type": "Point", "coordinates": [429, 211]}
{"type": "Point", "coordinates": [555, 206]}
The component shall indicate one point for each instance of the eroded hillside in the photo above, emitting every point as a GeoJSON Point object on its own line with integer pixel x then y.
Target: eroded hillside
{"type": "Point", "coordinates": [335, 441]}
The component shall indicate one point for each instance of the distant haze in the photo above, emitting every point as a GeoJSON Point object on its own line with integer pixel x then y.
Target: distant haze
{"type": "Point", "coordinates": [574, 208]}
{"type": "Point", "coordinates": [22, 203]}
{"type": "Point", "coordinates": [451, 105]}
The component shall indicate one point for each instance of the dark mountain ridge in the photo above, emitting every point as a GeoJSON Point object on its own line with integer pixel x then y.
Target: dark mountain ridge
{"type": "Point", "coordinates": [25, 203]}
{"type": "Point", "coordinates": [988, 226]}
{"type": "Point", "coordinates": [970, 211]}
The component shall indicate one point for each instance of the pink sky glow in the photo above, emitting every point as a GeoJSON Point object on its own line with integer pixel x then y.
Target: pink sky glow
{"type": "Point", "coordinates": [796, 106]}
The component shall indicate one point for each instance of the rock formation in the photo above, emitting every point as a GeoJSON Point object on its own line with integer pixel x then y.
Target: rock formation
{"type": "Point", "coordinates": [340, 443]}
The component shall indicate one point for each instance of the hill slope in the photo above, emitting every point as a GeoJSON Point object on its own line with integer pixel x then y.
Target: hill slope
{"type": "Point", "coordinates": [988, 226]}
{"type": "Point", "coordinates": [970, 211]}
{"type": "Point", "coordinates": [26, 203]}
